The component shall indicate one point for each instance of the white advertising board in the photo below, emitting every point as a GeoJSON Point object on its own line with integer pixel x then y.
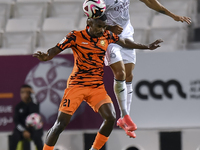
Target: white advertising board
{"type": "Point", "coordinates": [166, 90]}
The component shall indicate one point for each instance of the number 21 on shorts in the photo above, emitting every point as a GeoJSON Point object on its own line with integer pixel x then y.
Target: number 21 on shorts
{"type": "Point", "coordinates": [66, 102]}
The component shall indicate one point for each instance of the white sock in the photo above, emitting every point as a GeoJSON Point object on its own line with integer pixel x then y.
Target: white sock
{"type": "Point", "coordinates": [121, 95]}
{"type": "Point", "coordinates": [92, 148]}
{"type": "Point", "coordinates": [129, 95]}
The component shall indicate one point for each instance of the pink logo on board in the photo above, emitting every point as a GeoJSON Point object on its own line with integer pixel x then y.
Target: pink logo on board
{"type": "Point", "coordinates": [48, 80]}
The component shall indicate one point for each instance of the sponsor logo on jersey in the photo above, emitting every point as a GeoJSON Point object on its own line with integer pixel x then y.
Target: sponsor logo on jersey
{"type": "Point", "coordinates": [102, 42]}
{"type": "Point", "coordinates": [84, 43]}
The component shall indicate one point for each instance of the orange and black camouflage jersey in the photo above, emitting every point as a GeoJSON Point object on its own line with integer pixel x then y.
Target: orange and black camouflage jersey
{"type": "Point", "coordinates": [89, 55]}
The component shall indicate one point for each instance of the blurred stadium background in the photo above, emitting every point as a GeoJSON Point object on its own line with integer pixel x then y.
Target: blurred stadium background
{"type": "Point", "coordinates": [166, 84]}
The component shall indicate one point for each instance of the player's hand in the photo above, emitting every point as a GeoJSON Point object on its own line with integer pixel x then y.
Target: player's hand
{"type": "Point", "coordinates": [116, 29]}
{"type": "Point", "coordinates": [182, 19]}
{"type": "Point", "coordinates": [155, 44]}
{"type": "Point", "coordinates": [26, 135]}
{"type": "Point", "coordinates": [41, 56]}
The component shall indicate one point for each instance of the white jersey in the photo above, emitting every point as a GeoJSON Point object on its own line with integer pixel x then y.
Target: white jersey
{"type": "Point", "coordinates": [117, 12]}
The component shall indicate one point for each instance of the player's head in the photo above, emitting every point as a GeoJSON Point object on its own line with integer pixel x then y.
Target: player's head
{"type": "Point", "coordinates": [25, 93]}
{"type": "Point", "coordinates": [97, 26]}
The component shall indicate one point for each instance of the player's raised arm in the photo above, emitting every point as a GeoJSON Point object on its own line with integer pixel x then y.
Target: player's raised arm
{"type": "Point", "coordinates": [126, 43]}
{"type": "Point", "coordinates": [155, 5]}
{"type": "Point", "coordinates": [117, 29]}
{"type": "Point", "coordinates": [48, 55]}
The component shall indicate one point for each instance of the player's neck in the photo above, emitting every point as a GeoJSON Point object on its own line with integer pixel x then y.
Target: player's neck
{"type": "Point", "coordinates": [90, 34]}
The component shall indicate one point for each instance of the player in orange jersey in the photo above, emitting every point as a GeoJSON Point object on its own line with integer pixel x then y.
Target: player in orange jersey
{"type": "Point", "coordinates": [86, 80]}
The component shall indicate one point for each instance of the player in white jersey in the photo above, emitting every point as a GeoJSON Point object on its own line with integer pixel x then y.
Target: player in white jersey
{"type": "Point", "coordinates": [121, 61]}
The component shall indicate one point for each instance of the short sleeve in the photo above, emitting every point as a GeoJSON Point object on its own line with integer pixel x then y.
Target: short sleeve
{"type": "Point", "coordinates": [112, 38]}
{"type": "Point", "coordinates": [67, 42]}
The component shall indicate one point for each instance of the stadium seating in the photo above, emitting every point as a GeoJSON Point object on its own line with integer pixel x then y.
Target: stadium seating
{"type": "Point", "coordinates": [174, 34]}
{"type": "Point", "coordinates": [140, 20]}
{"type": "Point", "coordinates": [69, 9]}
{"type": "Point", "coordinates": [7, 1]}
{"type": "Point", "coordinates": [21, 25]}
{"type": "Point", "coordinates": [46, 22]}
{"type": "Point", "coordinates": [82, 23]}
{"type": "Point", "coordinates": [18, 42]}
{"type": "Point", "coordinates": [2, 23]}
{"type": "Point", "coordinates": [34, 1]}
{"type": "Point", "coordinates": [59, 23]}
{"type": "Point", "coordinates": [1, 38]}
{"type": "Point", "coordinates": [137, 8]}
{"type": "Point", "coordinates": [19, 36]}
{"type": "Point", "coordinates": [141, 28]}
{"type": "Point", "coordinates": [187, 8]}
{"type": "Point", "coordinates": [68, 1]}
{"type": "Point", "coordinates": [5, 9]}
{"type": "Point", "coordinates": [53, 31]}
{"type": "Point", "coordinates": [36, 10]}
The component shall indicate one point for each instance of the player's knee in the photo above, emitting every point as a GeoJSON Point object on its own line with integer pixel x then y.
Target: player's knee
{"type": "Point", "coordinates": [120, 75]}
{"type": "Point", "coordinates": [111, 118]}
{"type": "Point", "coordinates": [58, 127]}
{"type": "Point", "coordinates": [129, 77]}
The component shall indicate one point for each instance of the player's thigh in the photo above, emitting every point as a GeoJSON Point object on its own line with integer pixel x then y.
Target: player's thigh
{"type": "Point", "coordinates": [128, 55]}
{"type": "Point", "coordinates": [113, 54]}
{"type": "Point", "coordinates": [63, 119]}
{"type": "Point", "coordinates": [71, 100]}
{"type": "Point", "coordinates": [98, 97]}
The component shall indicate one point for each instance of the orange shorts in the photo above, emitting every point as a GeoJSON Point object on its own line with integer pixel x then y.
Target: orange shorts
{"type": "Point", "coordinates": [74, 96]}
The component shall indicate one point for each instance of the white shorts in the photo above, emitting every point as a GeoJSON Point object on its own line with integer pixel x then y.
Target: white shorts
{"type": "Point", "coordinates": [116, 53]}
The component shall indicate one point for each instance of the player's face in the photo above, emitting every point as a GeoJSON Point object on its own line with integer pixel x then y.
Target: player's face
{"type": "Point", "coordinates": [97, 28]}
{"type": "Point", "coordinates": [25, 94]}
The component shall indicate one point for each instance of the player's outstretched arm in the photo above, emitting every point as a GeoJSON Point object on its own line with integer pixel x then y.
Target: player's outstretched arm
{"type": "Point", "coordinates": [155, 5]}
{"type": "Point", "coordinates": [126, 43]}
{"type": "Point", "coordinates": [47, 56]}
{"type": "Point", "coordinates": [115, 29]}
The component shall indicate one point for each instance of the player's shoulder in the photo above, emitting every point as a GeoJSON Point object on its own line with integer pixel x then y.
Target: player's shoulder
{"type": "Point", "coordinates": [75, 32]}
{"type": "Point", "coordinates": [109, 33]}
{"type": "Point", "coordinates": [71, 33]}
